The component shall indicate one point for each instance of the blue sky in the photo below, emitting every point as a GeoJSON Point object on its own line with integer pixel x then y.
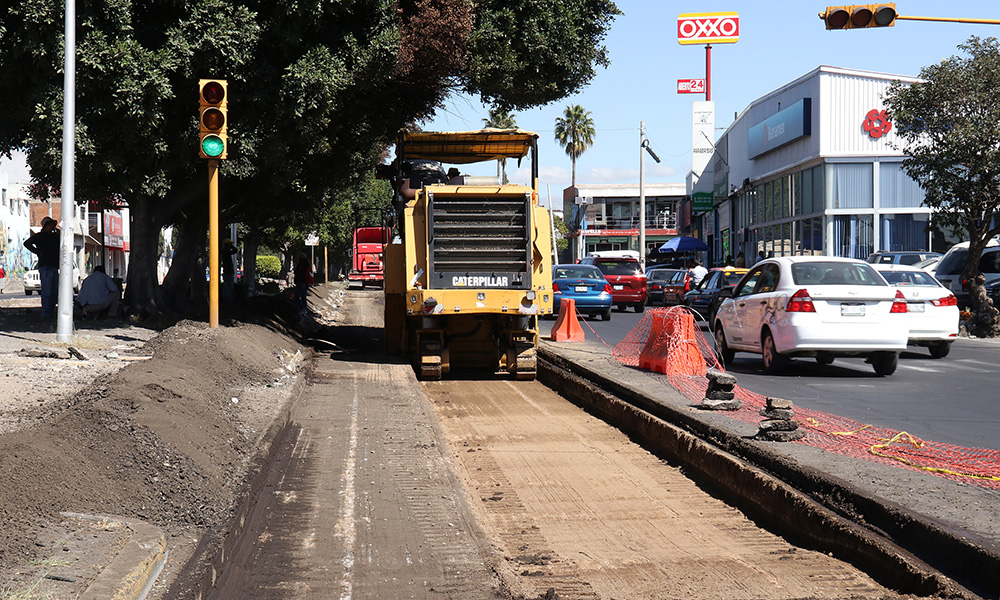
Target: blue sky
{"type": "Point", "coordinates": [780, 40]}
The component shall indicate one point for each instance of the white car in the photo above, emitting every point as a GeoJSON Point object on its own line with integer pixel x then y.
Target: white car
{"type": "Point", "coordinates": [931, 308]}
{"type": "Point", "coordinates": [33, 281]}
{"type": "Point", "coordinates": [818, 306]}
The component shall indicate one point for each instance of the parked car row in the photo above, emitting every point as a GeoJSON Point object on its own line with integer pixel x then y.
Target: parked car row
{"type": "Point", "coordinates": [826, 307]}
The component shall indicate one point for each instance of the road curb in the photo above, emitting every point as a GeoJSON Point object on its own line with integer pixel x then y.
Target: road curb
{"type": "Point", "coordinates": [796, 498]}
{"type": "Point", "coordinates": [134, 568]}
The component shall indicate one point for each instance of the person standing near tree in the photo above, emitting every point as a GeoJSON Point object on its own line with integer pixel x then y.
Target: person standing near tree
{"type": "Point", "coordinates": [45, 245]}
{"type": "Point", "coordinates": [228, 271]}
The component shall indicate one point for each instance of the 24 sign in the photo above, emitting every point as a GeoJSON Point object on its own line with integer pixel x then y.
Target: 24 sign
{"type": "Point", "coordinates": [708, 28]}
{"type": "Point", "coordinates": [690, 86]}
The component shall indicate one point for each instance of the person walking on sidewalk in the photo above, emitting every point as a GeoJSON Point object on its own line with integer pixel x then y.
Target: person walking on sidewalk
{"type": "Point", "coordinates": [45, 245]}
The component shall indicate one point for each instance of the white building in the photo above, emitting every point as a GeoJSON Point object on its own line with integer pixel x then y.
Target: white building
{"type": "Point", "coordinates": [15, 227]}
{"type": "Point", "coordinates": [814, 168]}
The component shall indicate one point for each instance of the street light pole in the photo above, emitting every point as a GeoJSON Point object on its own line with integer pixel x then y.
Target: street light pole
{"type": "Point", "coordinates": [642, 196]}
{"type": "Point", "coordinates": [64, 322]}
{"type": "Point", "coordinates": [643, 146]}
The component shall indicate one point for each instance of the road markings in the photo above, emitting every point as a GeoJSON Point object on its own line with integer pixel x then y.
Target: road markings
{"type": "Point", "coordinates": [345, 528]}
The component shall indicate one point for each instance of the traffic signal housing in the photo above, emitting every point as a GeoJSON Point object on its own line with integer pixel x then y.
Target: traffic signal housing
{"type": "Point", "coordinates": [859, 16]}
{"type": "Point", "coordinates": [213, 96]}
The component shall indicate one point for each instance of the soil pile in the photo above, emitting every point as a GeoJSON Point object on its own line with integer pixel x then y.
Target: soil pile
{"type": "Point", "coordinates": [166, 439]}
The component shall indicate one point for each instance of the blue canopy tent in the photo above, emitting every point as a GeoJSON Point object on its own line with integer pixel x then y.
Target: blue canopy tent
{"type": "Point", "coordinates": [684, 244]}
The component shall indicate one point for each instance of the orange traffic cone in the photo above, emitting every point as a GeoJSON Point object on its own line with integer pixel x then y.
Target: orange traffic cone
{"type": "Point", "coordinates": [567, 327]}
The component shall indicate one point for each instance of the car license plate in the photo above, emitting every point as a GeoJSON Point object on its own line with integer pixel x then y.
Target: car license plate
{"type": "Point", "coordinates": [852, 310]}
{"type": "Point", "coordinates": [581, 289]}
{"type": "Point", "coordinates": [618, 288]}
{"type": "Point", "coordinates": [915, 307]}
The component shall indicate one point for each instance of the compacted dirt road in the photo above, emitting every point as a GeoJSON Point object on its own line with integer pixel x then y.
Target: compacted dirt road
{"type": "Point", "coordinates": [488, 488]}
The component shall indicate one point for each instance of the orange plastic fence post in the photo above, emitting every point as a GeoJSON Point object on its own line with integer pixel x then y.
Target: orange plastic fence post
{"type": "Point", "coordinates": [685, 357]}
{"type": "Point", "coordinates": [653, 355]}
{"type": "Point", "coordinates": [567, 327]}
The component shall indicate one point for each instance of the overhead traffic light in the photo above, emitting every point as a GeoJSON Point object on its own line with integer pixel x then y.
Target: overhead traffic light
{"type": "Point", "coordinates": [859, 16]}
{"type": "Point", "coordinates": [212, 118]}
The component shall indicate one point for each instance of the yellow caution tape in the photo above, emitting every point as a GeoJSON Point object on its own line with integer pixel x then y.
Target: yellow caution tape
{"type": "Point", "coordinates": [919, 444]}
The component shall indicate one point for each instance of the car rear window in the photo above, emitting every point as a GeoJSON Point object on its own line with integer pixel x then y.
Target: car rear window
{"type": "Point", "coordinates": [660, 275]}
{"type": "Point", "coordinates": [835, 273]}
{"type": "Point", "coordinates": [903, 278]}
{"type": "Point", "coordinates": [953, 262]}
{"type": "Point", "coordinates": [618, 267]}
{"type": "Point", "coordinates": [733, 278]}
{"type": "Point", "coordinates": [577, 272]}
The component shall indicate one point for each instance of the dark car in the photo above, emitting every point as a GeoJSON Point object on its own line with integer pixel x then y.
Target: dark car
{"type": "Point", "coordinates": [674, 290]}
{"type": "Point", "coordinates": [628, 282]}
{"type": "Point", "coordinates": [656, 281]}
{"type": "Point", "coordinates": [704, 298]}
{"type": "Point", "coordinates": [585, 285]}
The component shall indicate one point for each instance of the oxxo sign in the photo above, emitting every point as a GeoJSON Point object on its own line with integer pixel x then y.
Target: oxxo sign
{"type": "Point", "coordinates": [708, 28]}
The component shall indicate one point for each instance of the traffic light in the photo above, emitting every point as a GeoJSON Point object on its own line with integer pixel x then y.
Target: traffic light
{"type": "Point", "coordinates": [859, 16]}
{"type": "Point", "coordinates": [212, 118]}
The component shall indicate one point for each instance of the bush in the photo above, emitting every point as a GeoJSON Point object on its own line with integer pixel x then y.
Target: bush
{"type": "Point", "coordinates": [268, 266]}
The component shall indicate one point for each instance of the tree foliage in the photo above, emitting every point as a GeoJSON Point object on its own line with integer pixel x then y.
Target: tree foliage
{"type": "Point", "coordinates": [949, 124]}
{"type": "Point", "coordinates": [317, 91]}
{"type": "Point", "coordinates": [575, 133]}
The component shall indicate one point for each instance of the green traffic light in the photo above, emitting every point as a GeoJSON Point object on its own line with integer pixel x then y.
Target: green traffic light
{"type": "Point", "coordinates": [213, 146]}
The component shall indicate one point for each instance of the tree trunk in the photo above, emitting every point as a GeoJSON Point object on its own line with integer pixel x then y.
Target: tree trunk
{"type": "Point", "coordinates": [142, 292]}
{"type": "Point", "coordinates": [177, 288]}
{"type": "Point", "coordinates": [251, 242]}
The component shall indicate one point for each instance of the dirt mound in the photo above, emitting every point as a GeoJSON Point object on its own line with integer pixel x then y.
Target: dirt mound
{"type": "Point", "coordinates": [166, 440]}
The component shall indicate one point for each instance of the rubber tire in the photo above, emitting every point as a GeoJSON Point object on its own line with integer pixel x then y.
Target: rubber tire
{"type": "Point", "coordinates": [606, 315]}
{"type": "Point", "coordinates": [885, 363]}
{"type": "Point", "coordinates": [721, 347]}
{"type": "Point", "coordinates": [825, 360]}
{"type": "Point", "coordinates": [940, 349]}
{"type": "Point", "coordinates": [620, 307]}
{"type": "Point", "coordinates": [773, 362]}
{"type": "Point", "coordinates": [27, 292]}
{"type": "Point", "coordinates": [640, 307]}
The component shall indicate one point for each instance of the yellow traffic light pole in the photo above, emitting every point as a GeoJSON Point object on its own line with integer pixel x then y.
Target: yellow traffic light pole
{"type": "Point", "coordinates": [952, 20]}
{"type": "Point", "coordinates": [213, 145]}
{"type": "Point", "coordinates": [213, 243]}
{"type": "Point", "coordinates": [883, 14]}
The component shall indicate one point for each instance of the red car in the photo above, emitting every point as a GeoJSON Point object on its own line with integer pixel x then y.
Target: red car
{"type": "Point", "coordinates": [628, 282]}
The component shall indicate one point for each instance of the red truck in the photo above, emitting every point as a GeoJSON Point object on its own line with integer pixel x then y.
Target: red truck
{"type": "Point", "coordinates": [367, 255]}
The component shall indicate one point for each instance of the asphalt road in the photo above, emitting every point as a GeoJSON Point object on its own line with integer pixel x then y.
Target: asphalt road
{"type": "Point", "coordinates": [954, 400]}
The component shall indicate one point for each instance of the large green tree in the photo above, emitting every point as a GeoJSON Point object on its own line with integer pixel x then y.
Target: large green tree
{"type": "Point", "coordinates": [575, 133]}
{"type": "Point", "coordinates": [949, 124]}
{"type": "Point", "coordinates": [317, 90]}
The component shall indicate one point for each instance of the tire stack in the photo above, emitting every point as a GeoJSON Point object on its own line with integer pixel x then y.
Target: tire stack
{"type": "Point", "coordinates": [721, 394]}
{"type": "Point", "coordinates": [779, 424]}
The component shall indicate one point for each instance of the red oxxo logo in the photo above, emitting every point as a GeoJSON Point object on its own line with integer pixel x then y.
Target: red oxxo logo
{"type": "Point", "coordinates": [876, 123]}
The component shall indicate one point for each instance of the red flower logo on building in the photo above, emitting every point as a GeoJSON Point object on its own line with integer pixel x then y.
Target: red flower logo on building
{"type": "Point", "coordinates": [876, 123]}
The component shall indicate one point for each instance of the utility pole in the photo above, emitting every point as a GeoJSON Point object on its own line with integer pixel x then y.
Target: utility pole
{"type": "Point", "coordinates": [64, 323]}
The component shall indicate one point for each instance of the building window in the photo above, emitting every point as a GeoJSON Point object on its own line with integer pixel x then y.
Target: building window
{"type": "Point", "coordinates": [797, 193]}
{"type": "Point", "coordinates": [896, 189]}
{"type": "Point", "coordinates": [853, 236]}
{"type": "Point", "coordinates": [904, 232]}
{"type": "Point", "coordinates": [850, 185]}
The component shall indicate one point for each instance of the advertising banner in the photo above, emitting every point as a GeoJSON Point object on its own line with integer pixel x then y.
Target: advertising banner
{"type": "Point", "coordinates": [708, 28]}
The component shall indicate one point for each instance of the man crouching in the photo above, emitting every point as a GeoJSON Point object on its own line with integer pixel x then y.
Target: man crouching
{"type": "Point", "coordinates": [99, 295]}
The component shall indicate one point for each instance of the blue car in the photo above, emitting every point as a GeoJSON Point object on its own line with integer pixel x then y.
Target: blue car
{"type": "Point", "coordinates": [586, 285]}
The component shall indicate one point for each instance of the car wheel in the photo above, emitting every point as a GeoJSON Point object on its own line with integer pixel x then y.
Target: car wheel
{"type": "Point", "coordinates": [940, 349]}
{"type": "Point", "coordinates": [885, 363]}
{"type": "Point", "coordinates": [640, 307]}
{"type": "Point", "coordinates": [621, 307]}
{"type": "Point", "coordinates": [773, 361]}
{"type": "Point", "coordinates": [607, 314]}
{"type": "Point", "coordinates": [27, 292]}
{"type": "Point", "coordinates": [824, 359]}
{"type": "Point", "coordinates": [721, 347]}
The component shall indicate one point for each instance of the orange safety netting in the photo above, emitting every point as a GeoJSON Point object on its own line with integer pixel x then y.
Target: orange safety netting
{"type": "Point", "coordinates": [668, 341]}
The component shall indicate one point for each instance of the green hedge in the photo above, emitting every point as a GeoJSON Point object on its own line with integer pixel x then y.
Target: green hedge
{"type": "Point", "coordinates": [268, 266]}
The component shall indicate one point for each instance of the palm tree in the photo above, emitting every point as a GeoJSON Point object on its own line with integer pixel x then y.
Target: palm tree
{"type": "Point", "coordinates": [501, 118]}
{"type": "Point", "coordinates": [575, 133]}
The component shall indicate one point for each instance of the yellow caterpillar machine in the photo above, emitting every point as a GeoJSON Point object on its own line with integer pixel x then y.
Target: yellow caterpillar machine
{"type": "Point", "coordinates": [469, 272]}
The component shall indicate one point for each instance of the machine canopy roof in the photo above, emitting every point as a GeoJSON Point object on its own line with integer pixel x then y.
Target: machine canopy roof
{"type": "Point", "coordinates": [462, 147]}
